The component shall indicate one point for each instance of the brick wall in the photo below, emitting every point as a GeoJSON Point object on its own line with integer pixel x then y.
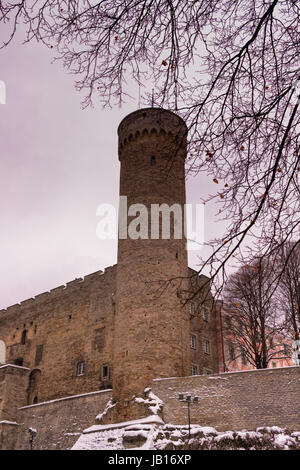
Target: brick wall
{"type": "Point", "coordinates": [239, 400]}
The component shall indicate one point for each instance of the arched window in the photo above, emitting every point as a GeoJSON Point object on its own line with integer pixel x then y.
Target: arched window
{"type": "Point", "coordinates": [33, 389]}
{"type": "Point", "coordinates": [2, 352]}
{"type": "Point", "coordinates": [23, 338]}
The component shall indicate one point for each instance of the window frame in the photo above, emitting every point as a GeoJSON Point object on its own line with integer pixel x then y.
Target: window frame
{"type": "Point", "coordinates": [80, 368]}
{"type": "Point", "coordinates": [104, 377]}
{"type": "Point", "coordinates": [205, 314]}
{"type": "Point", "coordinates": [206, 350]}
{"type": "Point", "coordinates": [193, 337]}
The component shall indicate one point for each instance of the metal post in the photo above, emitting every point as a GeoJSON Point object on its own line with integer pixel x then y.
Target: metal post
{"type": "Point", "coordinates": [189, 418]}
{"type": "Point", "coordinates": [188, 400]}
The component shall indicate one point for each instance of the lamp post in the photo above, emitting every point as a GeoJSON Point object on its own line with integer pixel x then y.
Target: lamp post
{"type": "Point", "coordinates": [32, 435]}
{"type": "Point", "coordinates": [189, 399]}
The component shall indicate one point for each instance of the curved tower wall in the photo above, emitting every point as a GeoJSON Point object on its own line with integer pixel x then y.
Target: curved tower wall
{"type": "Point", "coordinates": [151, 325]}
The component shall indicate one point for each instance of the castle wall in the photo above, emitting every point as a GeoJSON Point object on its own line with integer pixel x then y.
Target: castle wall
{"type": "Point", "coordinates": [203, 326]}
{"type": "Point", "coordinates": [75, 323]}
{"type": "Point", "coordinates": [59, 423]}
{"type": "Point", "coordinates": [63, 327]}
{"type": "Point", "coordinates": [230, 401]}
{"type": "Point", "coordinates": [235, 401]}
{"type": "Point", "coordinates": [13, 388]}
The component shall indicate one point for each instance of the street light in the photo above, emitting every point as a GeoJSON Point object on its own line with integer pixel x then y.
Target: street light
{"type": "Point", "coordinates": [32, 433]}
{"type": "Point", "coordinates": [189, 399]}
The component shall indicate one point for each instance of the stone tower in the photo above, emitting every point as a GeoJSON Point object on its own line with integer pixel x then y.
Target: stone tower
{"type": "Point", "coordinates": [151, 325]}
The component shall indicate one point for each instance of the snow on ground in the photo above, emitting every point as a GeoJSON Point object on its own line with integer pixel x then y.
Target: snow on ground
{"type": "Point", "coordinates": [144, 436]}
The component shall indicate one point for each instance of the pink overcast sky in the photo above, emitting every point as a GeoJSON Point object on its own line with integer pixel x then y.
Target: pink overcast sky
{"type": "Point", "coordinates": [58, 163]}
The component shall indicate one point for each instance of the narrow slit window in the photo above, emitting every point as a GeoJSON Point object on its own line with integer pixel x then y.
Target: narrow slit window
{"type": "Point", "coordinates": [152, 160]}
{"type": "Point", "coordinates": [105, 372]}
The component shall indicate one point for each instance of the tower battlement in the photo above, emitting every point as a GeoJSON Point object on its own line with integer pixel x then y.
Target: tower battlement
{"type": "Point", "coordinates": [156, 122]}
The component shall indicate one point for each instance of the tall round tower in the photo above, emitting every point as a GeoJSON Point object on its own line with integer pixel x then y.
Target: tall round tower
{"type": "Point", "coordinates": [151, 326]}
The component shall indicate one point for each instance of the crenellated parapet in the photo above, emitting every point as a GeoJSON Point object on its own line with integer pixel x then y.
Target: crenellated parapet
{"type": "Point", "coordinates": [156, 122]}
{"type": "Point", "coordinates": [61, 291]}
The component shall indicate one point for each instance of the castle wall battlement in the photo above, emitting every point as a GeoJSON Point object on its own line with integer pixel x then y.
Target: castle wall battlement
{"type": "Point", "coordinates": [71, 287]}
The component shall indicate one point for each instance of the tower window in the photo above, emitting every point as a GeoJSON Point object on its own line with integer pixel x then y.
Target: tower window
{"type": "Point", "coordinates": [152, 160]}
{"type": "Point", "coordinates": [81, 368]}
{"type": "Point", "coordinates": [193, 369]}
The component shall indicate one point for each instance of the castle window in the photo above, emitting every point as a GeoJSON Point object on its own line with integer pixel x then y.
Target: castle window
{"type": "Point", "coordinates": [23, 337]}
{"type": "Point", "coordinates": [193, 341]}
{"type": "Point", "coordinates": [205, 314]}
{"type": "Point", "coordinates": [193, 369]}
{"type": "Point", "coordinates": [105, 372]}
{"type": "Point", "coordinates": [206, 346]}
{"type": "Point", "coordinates": [152, 160]}
{"type": "Point", "coordinates": [192, 308]}
{"type": "Point", "coordinates": [81, 368]}
{"type": "Point", "coordinates": [33, 389]}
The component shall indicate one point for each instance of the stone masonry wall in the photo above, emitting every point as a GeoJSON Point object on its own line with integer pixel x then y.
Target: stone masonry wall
{"type": "Point", "coordinates": [13, 389]}
{"type": "Point", "coordinates": [235, 401]}
{"type": "Point", "coordinates": [228, 401]}
{"type": "Point", "coordinates": [59, 423]}
{"type": "Point", "coordinates": [70, 324]}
